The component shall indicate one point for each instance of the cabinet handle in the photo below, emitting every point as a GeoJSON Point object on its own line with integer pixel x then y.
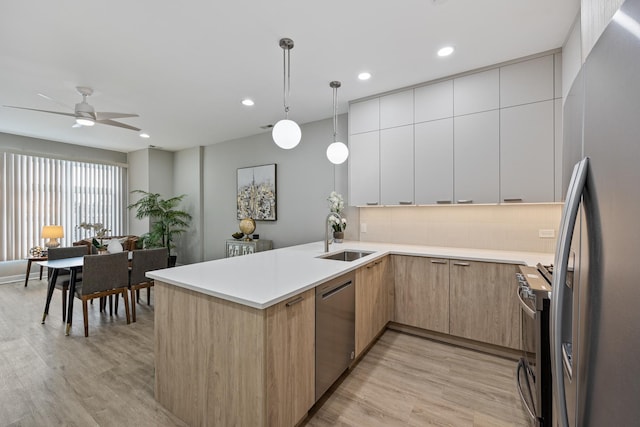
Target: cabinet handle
{"type": "Point", "coordinates": [461, 264]}
{"type": "Point", "coordinates": [465, 201]}
{"type": "Point", "coordinates": [294, 301]}
{"type": "Point", "coordinates": [406, 203]}
{"type": "Point", "coordinates": [372, 203]}
{"type": "Point", "coordinates": [513, 200]}
{"type": "Point", "coordinates": [438, 261]}
{"type": "Point", "coordinates": [443, 202]}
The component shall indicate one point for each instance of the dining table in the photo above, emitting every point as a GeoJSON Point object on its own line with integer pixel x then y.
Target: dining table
{"type": "Point", "coordinates": [72, 265]}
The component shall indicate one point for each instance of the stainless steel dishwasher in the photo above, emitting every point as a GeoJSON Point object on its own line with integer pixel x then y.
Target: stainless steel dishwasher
{"type": "Point", "coordinates": [335, 330]}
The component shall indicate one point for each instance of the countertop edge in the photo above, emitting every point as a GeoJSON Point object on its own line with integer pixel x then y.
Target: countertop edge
{"type": "Point", "coordinates": [380, 250]}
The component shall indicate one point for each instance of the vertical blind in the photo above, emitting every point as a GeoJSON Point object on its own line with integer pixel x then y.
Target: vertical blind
{"type": "Point", "coordinates": [38, 191]}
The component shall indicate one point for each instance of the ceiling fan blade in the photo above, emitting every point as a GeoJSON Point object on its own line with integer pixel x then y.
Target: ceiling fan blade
{"type": "Point", "coordinates": [48, 98]}
{"type": "Point", "coordinates": [118, 124]}
{"type": "Point", "coordinates": [42, 111]}
{"type": "Point", "coordinates": [105, 116]}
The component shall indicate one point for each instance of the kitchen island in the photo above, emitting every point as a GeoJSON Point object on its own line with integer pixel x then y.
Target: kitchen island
{"type": "Point", "coordinates": [234, 338]}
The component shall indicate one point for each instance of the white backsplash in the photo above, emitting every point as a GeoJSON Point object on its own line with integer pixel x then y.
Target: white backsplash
{"type": "Point", "coordinates": [501, 227]}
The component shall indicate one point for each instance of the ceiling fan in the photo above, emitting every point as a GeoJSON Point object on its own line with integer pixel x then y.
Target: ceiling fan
{"type": "Point", "coordinates": [85, 114]}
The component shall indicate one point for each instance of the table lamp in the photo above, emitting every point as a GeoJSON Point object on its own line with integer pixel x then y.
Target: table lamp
{"type": "Point", "coordinates": [53, 233]}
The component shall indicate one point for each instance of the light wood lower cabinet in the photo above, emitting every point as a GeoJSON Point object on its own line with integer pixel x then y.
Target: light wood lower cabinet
{"type": "Point", "coordinates": [222, 363]}
{"type": "Point", "coordinates": [374, 301]}
{"type": "Point", "coordinates": [291, 359]}
{"type": "Point", "coordinates": [483, 304]}
{"type": "Point", "coordinates": [422, 292]}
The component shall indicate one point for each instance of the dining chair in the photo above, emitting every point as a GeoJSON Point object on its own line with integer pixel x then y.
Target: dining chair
{"type": "Point", "coordinates": [62, 281]}
{"type": "Point", "coordinates": [143, 261]}
{"type": "Point", "coordinates": [103, 275]}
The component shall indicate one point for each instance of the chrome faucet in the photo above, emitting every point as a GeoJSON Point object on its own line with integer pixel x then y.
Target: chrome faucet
{"type": "Point", "coordinates": [326, 229]}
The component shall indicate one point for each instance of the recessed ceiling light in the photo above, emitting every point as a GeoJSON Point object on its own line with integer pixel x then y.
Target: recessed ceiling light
{"type": "Point", "coordinates": [364, 76]}
{"type": "Point", "coordinates": [446, 51]}
{"type": "Point", "coordinates": [144, 135]}
{"type": "Point", "coordinates": [248, 102]}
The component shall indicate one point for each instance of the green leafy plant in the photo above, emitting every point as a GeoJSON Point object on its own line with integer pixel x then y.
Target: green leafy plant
{"type": "Point", "coordinates": [166, 220]}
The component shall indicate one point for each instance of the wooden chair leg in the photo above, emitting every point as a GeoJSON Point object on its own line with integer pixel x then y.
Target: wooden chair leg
{"type": "Point", "coordinates": [110, 305]}
{"type": "Point", "coordinates": [64, 305]}
{"type": "Point", "coordinates": [117, 297]}
{"type": "Point", "coordinates": [137, 295]}
{"type": "Point", "coordinates": [126, 304]}
{"type": "Point", "coordinates": [133, 305]}
{"type": "Point", "coordinates": [149, 295]}
{"type": "Point", "coordinates": [85, 314]}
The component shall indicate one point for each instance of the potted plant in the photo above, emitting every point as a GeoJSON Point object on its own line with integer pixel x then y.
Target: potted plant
{"type": "Point", "coordinates": [338, 223]}
{"type": "Point", "coordinates": [166, 220]}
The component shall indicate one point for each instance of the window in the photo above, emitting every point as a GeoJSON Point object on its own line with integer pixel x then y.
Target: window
{"type": "Point", "coordinates": [37, 191]}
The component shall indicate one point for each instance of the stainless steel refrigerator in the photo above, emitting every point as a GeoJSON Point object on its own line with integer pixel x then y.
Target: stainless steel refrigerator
{"type": "Point", "coordinates": [595, 317]}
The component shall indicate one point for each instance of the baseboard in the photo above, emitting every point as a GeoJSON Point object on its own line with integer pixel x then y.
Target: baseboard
{"type": "Point", "coordinates": [504, 352]}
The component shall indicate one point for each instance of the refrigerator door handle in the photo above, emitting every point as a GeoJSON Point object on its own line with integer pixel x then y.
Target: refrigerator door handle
{"type": "Point", "coordinates": [569, 216]}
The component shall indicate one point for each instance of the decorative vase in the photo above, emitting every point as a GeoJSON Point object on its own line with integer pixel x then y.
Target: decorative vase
{"type": "Point", "coordinates": [338, 236]}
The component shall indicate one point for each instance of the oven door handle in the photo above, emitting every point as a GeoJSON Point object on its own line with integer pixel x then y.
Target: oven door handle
{"type": "Point", "coordinates": [521, 366]}
{"type": "Point", "coordinates": [527, 310]}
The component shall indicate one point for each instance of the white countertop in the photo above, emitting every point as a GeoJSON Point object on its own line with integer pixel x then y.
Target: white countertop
{"type": "Point", "coordinates": [266, 278]}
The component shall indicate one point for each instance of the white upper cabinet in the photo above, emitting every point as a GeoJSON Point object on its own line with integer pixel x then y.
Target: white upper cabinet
{"type": "Point", "coordinates": [396, 109]}
{"type": "Point", "coordinates": [364, 169]}
{"type": "Point", "coordinates": [493, 136]}
{"type": "Point", "coordinates": [527, 152]}
{"type": "Point", "coordinates": [557, 142]}
{"type": "Point", "coordinates": [396, 166]}
{"type": "Point", "coordinates": [433, 102]}
{"type": "Point", "coordinates": [476, 156]}
{"type": "Point", "coordinates": [476, 92]}
{"type": "Point", "coordinates": [527, 81]}
{"type": "Point", "coordinates": [434, 162]}
{"type": "Point", "coordinates": [364, 116]}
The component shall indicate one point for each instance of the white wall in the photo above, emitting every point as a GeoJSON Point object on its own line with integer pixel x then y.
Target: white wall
{"type": "Point", "coordinates": [304, 180]}
{"type": "Point", "coordinates": [571, 57]}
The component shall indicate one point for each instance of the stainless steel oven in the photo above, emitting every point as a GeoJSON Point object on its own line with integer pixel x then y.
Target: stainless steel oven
{"type": "Point", "coordinates": [534, 372]}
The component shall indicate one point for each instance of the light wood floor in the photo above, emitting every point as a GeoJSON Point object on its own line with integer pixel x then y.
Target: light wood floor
{"type": "Point", "coordinates": [48, 379]}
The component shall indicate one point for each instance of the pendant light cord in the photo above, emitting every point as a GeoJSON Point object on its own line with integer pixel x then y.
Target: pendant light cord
{"type": "Point", "coordinates": [286, 79]}
{"type": "Point", "coordinates": [335, 113]}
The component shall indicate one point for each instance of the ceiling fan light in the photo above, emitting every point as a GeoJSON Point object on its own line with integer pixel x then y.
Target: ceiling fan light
{"type": "Point", "coordinates": [85, 121]}
{"type": "Point", "coordinates": [337, 153]}
{"type": "Point", "coordinates": [286, 134]}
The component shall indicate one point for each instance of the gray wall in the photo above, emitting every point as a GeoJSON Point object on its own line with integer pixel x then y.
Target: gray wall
{"type": "Point", "coordinates": [42, 147]}
{"type": "Point", "coordinates": [304, 180]}
{"type": "Point", "coordinates": [187, 167]}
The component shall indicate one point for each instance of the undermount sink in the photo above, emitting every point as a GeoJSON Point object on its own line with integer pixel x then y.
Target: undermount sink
{"type": "Point", "coordinates": [346, 255]}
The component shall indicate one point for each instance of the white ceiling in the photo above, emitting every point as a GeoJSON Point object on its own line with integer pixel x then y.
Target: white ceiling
{"type": "Point", "coordinates": [184, 67]}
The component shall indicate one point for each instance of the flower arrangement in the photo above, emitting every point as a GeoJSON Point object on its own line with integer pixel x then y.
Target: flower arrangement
{"type": "Point", "coordinates": [336, 204]}
{"type": "Point", "coordinates": [98, 228]}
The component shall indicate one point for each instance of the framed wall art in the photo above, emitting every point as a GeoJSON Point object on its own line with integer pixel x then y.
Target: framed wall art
{"type": "Point", "coordinates": [256, 193]}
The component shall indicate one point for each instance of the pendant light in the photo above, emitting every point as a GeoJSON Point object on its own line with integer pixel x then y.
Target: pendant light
{"type": "Point", "coordinates": [286, 133]}
{"type": "Point", "coordinates": [337, 152]}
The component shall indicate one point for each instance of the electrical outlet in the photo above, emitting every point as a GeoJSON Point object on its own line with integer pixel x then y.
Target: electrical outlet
{"type": "Point", "coordinates": [546, 233]}
{"type": "Point", "coordinates": [363, 227]}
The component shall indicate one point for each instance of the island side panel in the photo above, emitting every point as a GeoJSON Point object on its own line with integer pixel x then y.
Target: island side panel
{"type": "Point", "coordinates": [209, 358]}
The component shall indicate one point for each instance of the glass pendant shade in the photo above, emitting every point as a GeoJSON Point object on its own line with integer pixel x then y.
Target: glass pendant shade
{"type": "Point", "coordinates": [286, 134]}
{"type": "Point", "coordinates": [337, 153]}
